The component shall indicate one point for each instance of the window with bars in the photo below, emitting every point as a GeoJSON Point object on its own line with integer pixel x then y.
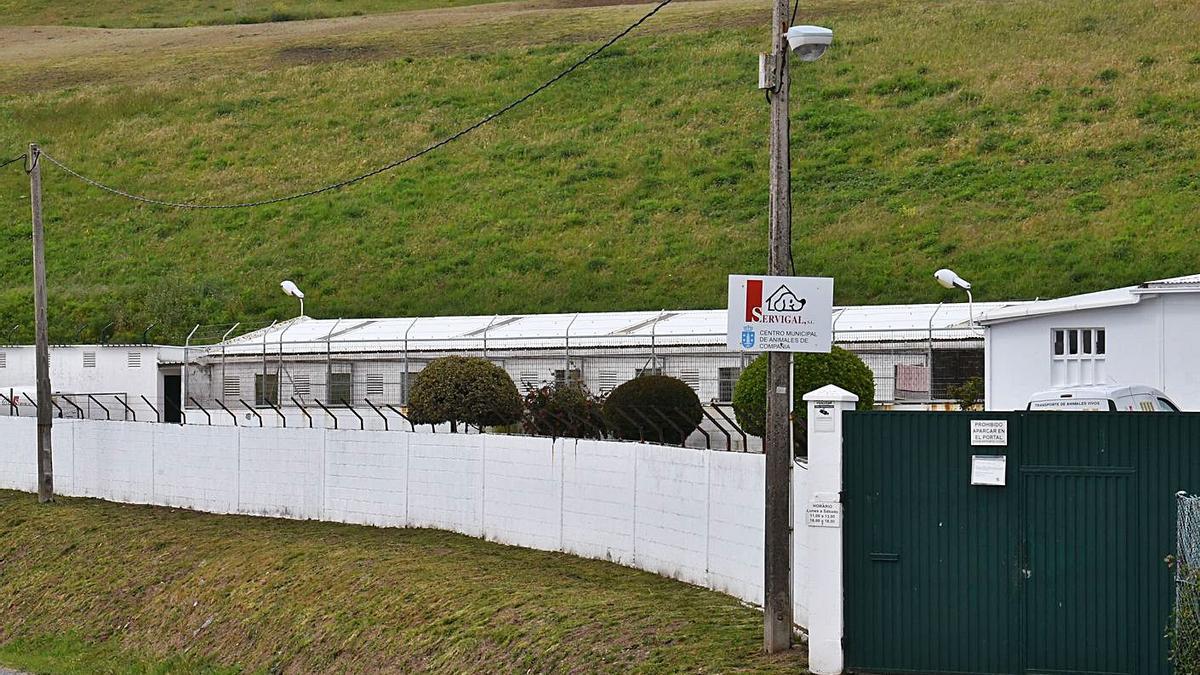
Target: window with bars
{"type": "Point", "coordinates": [231, 389]}
{"type": "Point", "coordinates": [266, 389]}
{"type": "Point", "coordinates": [726, 380]}
{"type": "Point", "coordinates": [133, 360]}
{"type": "Point", "coordinates": [89, 359]}
{"type": "Point", "coordinates": [341, 388]}
{"type": "Point", "coordinates": [562, 377]}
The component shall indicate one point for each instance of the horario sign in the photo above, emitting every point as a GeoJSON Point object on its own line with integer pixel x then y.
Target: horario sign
{"type": "Point", "coordinates": [780, 314]}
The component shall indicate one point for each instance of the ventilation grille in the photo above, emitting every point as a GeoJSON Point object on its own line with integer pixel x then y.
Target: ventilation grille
{"type": "Point", "coordinates": [89, 359]}
{"type": "Point", "coordinates": [3, 359]}
{"type": "Point", "coordinates": [609, 380]}
{"type": "Point", "coordinates": [691, 378]}
{"type": "Point", "coordinates": [375, 385]}
{"type": "Point", "coordinates": [302, 386]}
{"type": "Point", "coordinates": [231, 388]}
{"type": "Point", "coordinates": [530, 379]}
{"type": "Point", "coordinates": [134, 360]}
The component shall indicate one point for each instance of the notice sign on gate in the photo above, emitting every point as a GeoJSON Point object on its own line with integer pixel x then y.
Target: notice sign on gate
{"type": "Point", "coordinates": [989, 432]}
{"type": "Point", "coordinates": [780, 314]}
{"type": "Point", "coordinates": [824, 514]}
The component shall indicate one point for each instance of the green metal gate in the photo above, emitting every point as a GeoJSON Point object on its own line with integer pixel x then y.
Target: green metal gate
{"type": "Point", "coordinates": [1061, 570]}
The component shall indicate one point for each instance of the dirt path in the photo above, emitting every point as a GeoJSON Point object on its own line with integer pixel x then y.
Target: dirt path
{"type": "Point", "coordinates": [34, 44]}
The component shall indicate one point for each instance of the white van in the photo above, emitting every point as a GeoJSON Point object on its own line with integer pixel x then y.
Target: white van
{"type": "Point", "coordinates": [1111, 397]}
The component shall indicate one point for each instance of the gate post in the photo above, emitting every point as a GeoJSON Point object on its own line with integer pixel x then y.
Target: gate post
{"type": "Point", "coordinates": [823, 522]}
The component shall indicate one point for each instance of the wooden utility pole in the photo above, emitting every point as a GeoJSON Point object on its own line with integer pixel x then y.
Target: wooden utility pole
{"type": "Point", "coordinates": [777, 597]}
{"type": "Point", "coordinates": [45, 418]}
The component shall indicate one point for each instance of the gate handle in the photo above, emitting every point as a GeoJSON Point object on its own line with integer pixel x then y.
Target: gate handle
{"type": "Point", "coordinates": [884, 557]}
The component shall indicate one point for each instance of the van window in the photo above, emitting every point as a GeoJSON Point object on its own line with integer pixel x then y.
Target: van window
{"type": "Point", "coordinates": [1164, 405]}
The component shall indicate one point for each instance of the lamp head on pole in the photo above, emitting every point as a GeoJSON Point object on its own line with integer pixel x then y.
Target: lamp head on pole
{"type": "Point", "coordinates": [289, 287]}
{"type": "Point", "coordinates": [809, 43]}
{"type": "Point", "coordinates": [948, 279]}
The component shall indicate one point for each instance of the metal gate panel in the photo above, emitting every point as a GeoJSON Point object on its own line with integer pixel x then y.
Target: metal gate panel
{"type": "Point", "coordinates": [914, 602]}
{"type": "Point", "coordinates": [1059, 571]}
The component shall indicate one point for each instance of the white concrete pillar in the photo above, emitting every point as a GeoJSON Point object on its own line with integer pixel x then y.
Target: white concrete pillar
{"type": "Point", "coordinates": [823, 522]}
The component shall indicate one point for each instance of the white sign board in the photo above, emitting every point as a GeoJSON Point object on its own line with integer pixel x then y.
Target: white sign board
{"type": "Point", "coordinates": [988, 469]}
{"type": "Point", "coordinates": [780, 314]}
{"type": "Point", "coordinates": [1090, 404]}
{"type": "Point", "coordinates": [823, 415]}
{"type": "Point", "coordinates": [989, 432]}
{"type": "Point", "coordinates": [824, 514]}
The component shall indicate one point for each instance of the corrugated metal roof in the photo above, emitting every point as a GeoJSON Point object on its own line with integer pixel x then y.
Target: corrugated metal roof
{"type": "Point", "coordinates": [589, 329]}
{"type": "Point", "coordinates": [1116, 297]}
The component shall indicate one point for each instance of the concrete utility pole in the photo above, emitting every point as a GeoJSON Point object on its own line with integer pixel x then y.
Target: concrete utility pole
{"type": "Point", "coordinates": [777, 600]}
{"type": "Point", "coordinates": [45, 417]}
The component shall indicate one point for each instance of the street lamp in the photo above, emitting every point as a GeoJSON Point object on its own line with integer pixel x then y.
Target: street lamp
{"type": "Point", "coordinates": [289, 287]}
{"type": "Point", "coordinates": [949, 279]}
{"type": "Point", "coordinates": [808, 43]}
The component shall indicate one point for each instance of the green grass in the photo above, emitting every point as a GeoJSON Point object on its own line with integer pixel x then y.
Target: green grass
{"type": "Point", "coordinates": [163, 14]}
{"type": "Point", "coordinates": [1040, 148]}
{"type": "Point", "coordinates": [91, 586]}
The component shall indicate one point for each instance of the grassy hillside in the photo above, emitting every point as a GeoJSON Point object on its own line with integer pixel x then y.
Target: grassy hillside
{"type": "Point", "coordinates": [1039, 147]}
{"type": "Point", "coordinates": [91, 586]}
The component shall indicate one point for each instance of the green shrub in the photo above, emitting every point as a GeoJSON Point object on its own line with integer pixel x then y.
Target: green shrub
{"type": "Point", "coordinates": [653, 408]}
{"type": "Point", "coordinates": [812, 371]}
{"type": "Point", "coordinates": [566, 411]}
{"type": "Point", "coordinates": [461, 389]}
{"type": "Point", "coordinates": [1185, 627]}
{"type": "Point", "coordinates": [969, 394]}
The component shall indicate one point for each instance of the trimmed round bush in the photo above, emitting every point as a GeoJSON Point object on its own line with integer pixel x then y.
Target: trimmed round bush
{"type": "Point", "coordinates": [464, 389]}
{"type": "Point", "coordinates": [566, 411]}
{"type": "Point", "coordinates": [653, 408]}
{"type": "Point", "coordinates": [813, 371]}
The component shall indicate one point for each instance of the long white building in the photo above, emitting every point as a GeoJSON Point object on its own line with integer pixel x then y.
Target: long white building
{"type": "Point", "coordinates": [916, 352]}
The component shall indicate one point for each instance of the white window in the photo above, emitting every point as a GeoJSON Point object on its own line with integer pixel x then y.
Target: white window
{"type": "Point", "coordinates": [133, 360]}
{"type": "Point", "coordinates": [89, 359]}
{"type": "Point", "coordinates": [1077, 356]}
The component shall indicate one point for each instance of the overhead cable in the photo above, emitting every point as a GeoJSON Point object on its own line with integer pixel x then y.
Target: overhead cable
{"type": "Point", "coordinates": [374, 172]}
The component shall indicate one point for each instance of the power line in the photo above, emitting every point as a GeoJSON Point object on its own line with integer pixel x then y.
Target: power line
{"type": "Point", "coordinates": [14, 159]}
{"type": "Point", "coordinates": [387, 167]}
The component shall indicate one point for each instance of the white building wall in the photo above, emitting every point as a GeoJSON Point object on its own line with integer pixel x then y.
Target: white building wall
{"type": "Point", "coordinates": [689, 514]}
{"type": "Point", "coordinates": [1152, 343]}
{"type": "Point", "coordinates": [112, 373]}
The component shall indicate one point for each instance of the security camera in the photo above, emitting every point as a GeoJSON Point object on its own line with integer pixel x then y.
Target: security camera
{"type": "Point", "coordinates": [809, 42]}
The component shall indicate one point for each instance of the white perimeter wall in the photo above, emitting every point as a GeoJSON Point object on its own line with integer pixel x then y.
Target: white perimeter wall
{"type": "Point", "coordinates": [688, 514]}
